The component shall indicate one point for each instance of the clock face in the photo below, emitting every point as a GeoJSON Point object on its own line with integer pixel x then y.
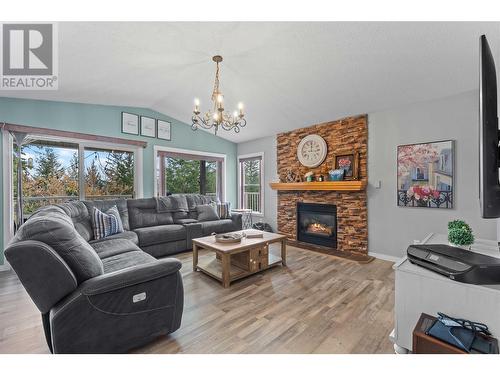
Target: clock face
{"type": "Point", "coordinates": [312, 151]}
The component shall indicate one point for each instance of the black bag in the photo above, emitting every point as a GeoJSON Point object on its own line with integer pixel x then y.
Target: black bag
{"type": "Point", "coordinates": [263, 226]}
{"type": "Point", "coordinates": [462, 334]}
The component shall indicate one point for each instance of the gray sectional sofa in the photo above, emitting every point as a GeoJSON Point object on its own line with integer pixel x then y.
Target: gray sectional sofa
{"type": "Point", "coordinates": [112, 294]}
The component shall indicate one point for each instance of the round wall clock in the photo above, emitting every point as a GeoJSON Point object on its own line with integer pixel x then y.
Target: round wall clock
{"type": "Point", "coordinates": [312, 150]}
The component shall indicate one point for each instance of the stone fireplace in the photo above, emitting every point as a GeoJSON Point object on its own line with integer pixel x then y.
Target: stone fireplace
{"type": "Point", "coordinates": [317, 224]}
{"type": "Point", "coordinates": [351, 222]}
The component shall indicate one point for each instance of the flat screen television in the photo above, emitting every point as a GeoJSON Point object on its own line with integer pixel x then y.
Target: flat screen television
{"type": "Point", "coordinates": [489, 155]}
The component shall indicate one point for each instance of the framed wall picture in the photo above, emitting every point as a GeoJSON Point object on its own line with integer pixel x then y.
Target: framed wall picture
{"type": "Point", "coordinates": [130, 123]}
{"type": "Point", "coordinates": [349, 163]}
{"type": "Point", "coordinates": [148, 127]}
{"type": "Point", "coordinates": [164, 130]}
{"type": "Point", "coordinates": [426, 174]}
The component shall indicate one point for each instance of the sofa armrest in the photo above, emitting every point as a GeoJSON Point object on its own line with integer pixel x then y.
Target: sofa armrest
{"type": "Point", "coordinates": [45, 275]}
{"type": "Point", "coordinates": [130, 276]}
{"type": "Point", "coordinates": [193, 230]}
{"type": "Point", "coordinates": [237, 221]}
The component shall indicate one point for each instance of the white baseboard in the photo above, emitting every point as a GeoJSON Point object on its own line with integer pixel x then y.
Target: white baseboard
{"type": "Point", "coordinates": [389, 258]}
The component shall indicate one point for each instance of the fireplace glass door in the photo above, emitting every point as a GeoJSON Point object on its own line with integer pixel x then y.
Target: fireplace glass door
{"type": "Point", "coordinates": [317, 224]}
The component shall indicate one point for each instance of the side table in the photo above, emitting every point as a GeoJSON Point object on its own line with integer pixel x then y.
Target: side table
{"type": "Point", "coordinates": [246, 217]}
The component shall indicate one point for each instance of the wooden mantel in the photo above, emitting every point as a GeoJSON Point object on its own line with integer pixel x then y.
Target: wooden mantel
{"type": "Point", "coordinates": [324, 185]}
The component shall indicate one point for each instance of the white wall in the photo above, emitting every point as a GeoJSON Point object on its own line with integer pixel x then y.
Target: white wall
{"type": "Point", "coordinates": [390, 228]}
{"type": "Point", "coordinates": [266, 145]}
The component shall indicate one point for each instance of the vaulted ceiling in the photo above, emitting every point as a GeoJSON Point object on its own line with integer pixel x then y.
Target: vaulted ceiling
{"type": "Point", "coordinates": [288, 74]}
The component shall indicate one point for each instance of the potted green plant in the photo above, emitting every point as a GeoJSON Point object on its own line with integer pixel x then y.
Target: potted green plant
{"type": "Point", "coordinates": [460, 234]}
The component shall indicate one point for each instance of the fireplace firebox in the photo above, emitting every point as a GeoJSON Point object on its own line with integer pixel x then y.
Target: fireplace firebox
{"type": "Point", "coordinates": [317, 224]}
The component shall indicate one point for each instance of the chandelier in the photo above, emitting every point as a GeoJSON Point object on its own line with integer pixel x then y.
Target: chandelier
{"type": "Point", "coordinates": [217, 117]}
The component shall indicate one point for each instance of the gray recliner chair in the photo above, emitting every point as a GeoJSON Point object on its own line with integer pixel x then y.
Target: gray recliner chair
{"type": "Point", "coordinates": [94, 299]}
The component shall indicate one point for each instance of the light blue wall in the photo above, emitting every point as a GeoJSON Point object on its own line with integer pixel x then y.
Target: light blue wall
{"type": "Point", "coordinates": [106, 120]}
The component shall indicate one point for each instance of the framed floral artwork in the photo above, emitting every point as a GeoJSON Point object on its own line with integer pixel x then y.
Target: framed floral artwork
{"type": "Point", "coordinates": [349, 163]}
{"type": "Point", "coordinates": [426, 174]}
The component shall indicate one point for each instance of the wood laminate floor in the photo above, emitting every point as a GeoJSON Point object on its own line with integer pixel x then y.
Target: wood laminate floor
{"type": "Point", "coordinates": [317, 304]}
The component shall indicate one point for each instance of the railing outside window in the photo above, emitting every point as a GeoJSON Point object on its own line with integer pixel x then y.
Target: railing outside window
{"type": "Point", "coordinates": [252, 201]}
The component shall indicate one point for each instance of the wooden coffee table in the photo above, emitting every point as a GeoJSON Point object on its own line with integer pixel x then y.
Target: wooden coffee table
{"type": "Point", "coordinates": [237, 260]}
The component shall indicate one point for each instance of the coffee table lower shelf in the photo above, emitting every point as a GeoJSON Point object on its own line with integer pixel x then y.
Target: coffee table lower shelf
{"type": "Point", "coordinates": [213, 268]}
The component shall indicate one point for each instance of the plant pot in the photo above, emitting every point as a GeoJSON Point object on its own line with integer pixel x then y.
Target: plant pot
{"type": "Point", "coordinates": [465, 247]}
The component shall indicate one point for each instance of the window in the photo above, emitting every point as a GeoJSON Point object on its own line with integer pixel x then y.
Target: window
{"type": "Point", "coordinates": [109, 174]}
{"type": "Point", "coordinates": [56, 171]}
{"type": "Point", "coordinates": [50, 174]}
{"type": "Point", "coordinates": [250, 181]}
{"type": "Point", "coordinates": [190, 173]}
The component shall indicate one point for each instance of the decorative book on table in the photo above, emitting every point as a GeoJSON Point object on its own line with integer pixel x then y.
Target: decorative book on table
{"type": "Point", "coordinates": [252, 233]}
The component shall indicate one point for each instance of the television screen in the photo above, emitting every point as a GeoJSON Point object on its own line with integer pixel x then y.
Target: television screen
{"type": "Point", "coordinates": [489, 185]}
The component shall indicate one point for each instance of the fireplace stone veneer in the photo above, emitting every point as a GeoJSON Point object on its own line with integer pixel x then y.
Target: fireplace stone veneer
{"type": "Point", "coordinates": [343, 136]}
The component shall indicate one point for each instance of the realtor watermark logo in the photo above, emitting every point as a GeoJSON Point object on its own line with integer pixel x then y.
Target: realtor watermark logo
{"type": "Point", "coordinates": [29, 58]}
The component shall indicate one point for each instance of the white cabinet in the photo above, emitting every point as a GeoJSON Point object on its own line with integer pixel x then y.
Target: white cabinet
{"type": "Point", "coordinates": [419, 290]}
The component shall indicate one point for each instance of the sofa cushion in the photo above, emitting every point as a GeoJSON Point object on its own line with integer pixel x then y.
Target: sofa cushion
{"type": "Point", "coordinates": [125, 260]}
{"type": "Point", "coordinates": [223, 209]}
{"type": "Point", "coordinates": [105, 205]}
{"type": "Point", "coordinates": [180, 215]}
{"type": "Point", "coordinates": [80, 216]}
{"type": "Point", "coordinates": [206, 212]}
{"type": "Point", "coordinates": [172, 203]}
{"type": "Point", "coordinates": [52, 226]}
{"type": "Point", "coordinates": [217, 226]}
{"type": "Point", "coordinates": [126, 235]}
{"type": "Point", "coordinates": [143, 213]}
{"type": "Point", "coordinates": [106, 223]}
{"type": "Point", "coordinates": [111, 247]}
{"type": "Point", "coordinates": [185, 221]}
{"type": "Point", "coordinates": [160, 234]}
{"type": "Point", "coordinates": [195, 200]}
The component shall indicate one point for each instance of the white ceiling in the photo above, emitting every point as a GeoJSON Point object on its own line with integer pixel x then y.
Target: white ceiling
{"type": "Point", "coordinates": [289, 75]}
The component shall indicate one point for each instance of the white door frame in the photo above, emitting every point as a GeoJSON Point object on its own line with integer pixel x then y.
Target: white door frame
{"type": "Point", "coordinates": [8, 218]}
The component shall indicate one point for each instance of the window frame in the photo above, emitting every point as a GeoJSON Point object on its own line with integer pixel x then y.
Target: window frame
{"type": "Point", "coordinates": [157, 174]}
{"type": "Point", "coordinates": [240, 182]}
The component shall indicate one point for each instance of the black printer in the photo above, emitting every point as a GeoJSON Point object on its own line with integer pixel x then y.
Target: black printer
{"type": "Point", "coordinates": [458, 264]}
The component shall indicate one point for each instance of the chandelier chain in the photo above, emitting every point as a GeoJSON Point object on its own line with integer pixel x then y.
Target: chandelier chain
{"type": "Point", "coordinates": [216, 84]}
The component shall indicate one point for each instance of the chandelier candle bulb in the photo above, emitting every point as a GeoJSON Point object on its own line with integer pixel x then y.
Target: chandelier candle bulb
{"type": "Point", "coordinates": [197, 106]}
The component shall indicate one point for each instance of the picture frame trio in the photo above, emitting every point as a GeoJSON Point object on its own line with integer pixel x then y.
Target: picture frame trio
{"type": "Point", "coordinates": [146, 126]}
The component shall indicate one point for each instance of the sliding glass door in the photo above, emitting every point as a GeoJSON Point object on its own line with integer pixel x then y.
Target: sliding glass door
{"type": "Point", "coordinates": [57, 171]}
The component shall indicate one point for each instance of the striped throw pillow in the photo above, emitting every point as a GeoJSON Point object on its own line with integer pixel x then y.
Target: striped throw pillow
{"type": "Point", "coordinates": [223, 209]}
{"type": "Point", "coordinates": [106, 223]}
